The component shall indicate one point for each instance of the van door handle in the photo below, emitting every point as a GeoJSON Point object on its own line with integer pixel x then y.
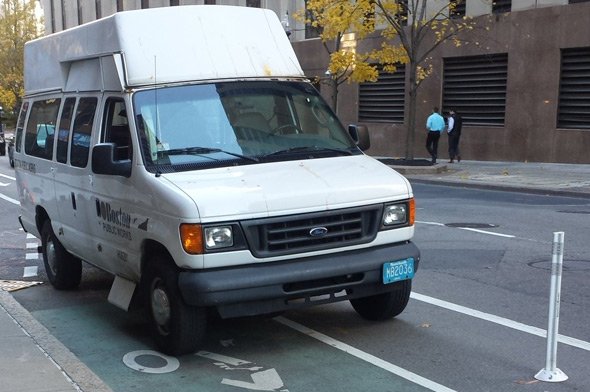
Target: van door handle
{"type": "Point", "coordinates": [73, 196]}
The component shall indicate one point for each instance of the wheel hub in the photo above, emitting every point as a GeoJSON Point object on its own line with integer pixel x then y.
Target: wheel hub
{"type": "Point", "coordinates": [160, 306]}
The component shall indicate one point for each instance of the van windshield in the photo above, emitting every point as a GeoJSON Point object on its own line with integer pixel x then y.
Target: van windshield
{"type": "Point", "coordinates": [200, 126]}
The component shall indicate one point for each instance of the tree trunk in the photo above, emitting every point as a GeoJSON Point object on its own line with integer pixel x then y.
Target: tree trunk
{"type": "Point", "coordinates": [410, 131]}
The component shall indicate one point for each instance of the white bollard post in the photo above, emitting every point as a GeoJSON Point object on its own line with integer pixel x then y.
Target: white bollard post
{"type": "Point", "coordinates": [551, 373]}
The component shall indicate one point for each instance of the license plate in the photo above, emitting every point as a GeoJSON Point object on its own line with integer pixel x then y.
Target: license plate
{"type": "Point", "coordinates": [398, 270]}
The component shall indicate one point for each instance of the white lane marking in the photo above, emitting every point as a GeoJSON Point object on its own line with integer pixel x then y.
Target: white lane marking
{"type": "Point", "coordinates": [3, 196]}
{"type": "Point", "coordinates": [9, 177]}
{"type": "Point", "coordinates": [412, 377]}
{"type": "Point", "coordinates": [32, 256]}
{"type": "Point", "coordinates": [30, 271]}
{"type": "Point", "coordinates": [222, 358]}
{"type": "Point", "coordinates": [4, 183]}
{"type": "Point", "coordinates": [486, 232]}
{"type": "Point", "coordinates": [469, 229]}
{"type": "Point", "coordinates": [32, 245]}
{"type": "Point", "coordinates": [30, 236]}
{"type": "Point", "coordinates": [499, 320]}
{"type": "Point", "coordinates": [430, 223]}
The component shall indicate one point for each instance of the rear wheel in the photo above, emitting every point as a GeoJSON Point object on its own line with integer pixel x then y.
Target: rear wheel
{"type": "Point", "coordinates": [64, 270]}
{"type": "Point", "coordinates": [177, 328]}
{"type": "Point", "coordinates": [384, 306]}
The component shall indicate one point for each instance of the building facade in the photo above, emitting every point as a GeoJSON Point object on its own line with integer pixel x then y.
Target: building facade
{"type": "Point", "coordinates": [522, 84]}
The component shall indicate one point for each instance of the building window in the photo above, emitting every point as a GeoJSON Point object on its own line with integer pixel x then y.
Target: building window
{"type": "Point", "coordinates": [578, 1]}
{"type": "Point", "coordinates": [457, 9]}
{"type": "Point", "coordinates": [574, 89]}
{"type": "Point", "coordinates": [475, 86]}
{"type": "Point", "coordinates": [253, 3]}
{"type": "Point", "coordinates": [384, 100]}
{"type": "Point", "coordinates": [119, 5]}
{"type": "Point", "coordinates": [145, 4]}
{"type": "Point", "coordinates": [500, 6]}
{"type": "Point", "coordinates": [210, 2]}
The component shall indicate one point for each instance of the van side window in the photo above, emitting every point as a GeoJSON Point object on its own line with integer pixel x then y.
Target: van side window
{"type": "Point", "coordinates": [20, 125]}
{"type": "Point", "coordinates": [116, 128]}
{"type": "Point", "coordinates": [82, 131]}
{"type": "Point", "coordinates": [63, 134]}
{"type": "Point", "coordinates": [41, 128]}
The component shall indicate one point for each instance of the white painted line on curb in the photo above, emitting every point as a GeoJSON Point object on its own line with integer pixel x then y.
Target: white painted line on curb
{"type": "Point", "coordinates": [500, 320]}
{"type": "Point", "coordinates": [32, 256]}
{"type": "Point", "coordinates": [32, 245]}
{"type": "Point", "coordinates": [3, 196]}
{"type": "Point", "coordinates": [398, 371]}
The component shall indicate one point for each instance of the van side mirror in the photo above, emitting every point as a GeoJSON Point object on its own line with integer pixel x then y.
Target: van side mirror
{"type": "Point", "coordinates": [360, 134]}
{"type": "Point", "coordinates": [103, 161]}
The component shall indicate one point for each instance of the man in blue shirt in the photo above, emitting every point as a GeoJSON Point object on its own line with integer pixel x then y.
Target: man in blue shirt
{"type": "Point", "coordinates": [435, 124]}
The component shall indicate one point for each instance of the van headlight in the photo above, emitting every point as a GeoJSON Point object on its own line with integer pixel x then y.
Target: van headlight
{"type": "Point", "coordinates": [211, 238]}
{"type": "Point", "coordinates": [219, 237]}
{"type": "Point", "coordinates": [399, 214]}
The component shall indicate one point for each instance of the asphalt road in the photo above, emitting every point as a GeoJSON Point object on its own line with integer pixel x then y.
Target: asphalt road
{"type": "Point", "coordinates": [479, 304]}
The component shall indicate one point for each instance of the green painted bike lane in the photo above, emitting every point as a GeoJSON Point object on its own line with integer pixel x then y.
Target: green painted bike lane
{"type": "Point", "coordinates": [239, 355]}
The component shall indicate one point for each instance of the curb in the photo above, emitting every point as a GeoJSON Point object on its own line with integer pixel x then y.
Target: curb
{"type": "Point", "coordinates": [509, 188]}
{"type": "Point", "coordinates": [77, 372]}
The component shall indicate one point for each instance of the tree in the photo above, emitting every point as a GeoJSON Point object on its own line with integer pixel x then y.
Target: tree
{"type": "Point", "coordinates": [334, 19]}
{"type": "Point", "coordinates": [18, 24]}
{"type": "Point", "coordinates": [410, 30]}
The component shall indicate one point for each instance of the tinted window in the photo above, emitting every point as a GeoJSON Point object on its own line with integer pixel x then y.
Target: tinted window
{"type": "Point", "coordinates": [63, 134]}
{"type": "Point", "coordinates": [82, 131]}
{"type": "Point", "coordinates": [116, 128]}
{"type": "Point", "coordinates": [41, 128]}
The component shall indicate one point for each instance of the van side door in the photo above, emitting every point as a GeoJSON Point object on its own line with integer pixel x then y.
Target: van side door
{"type": "Point", "coordinates": [116, 198]}
{"type": "Point", "coordinates": [73, 179]}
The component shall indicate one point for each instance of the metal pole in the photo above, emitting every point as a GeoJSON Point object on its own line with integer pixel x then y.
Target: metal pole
{"type": "Point", "coordinates": [551, 373]}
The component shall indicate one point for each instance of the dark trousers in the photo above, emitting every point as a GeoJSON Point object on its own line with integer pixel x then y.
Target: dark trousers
{"type": "Point", "coordinates": [432, 144]}
{"type": "Point", "coordinates": [454, 146]}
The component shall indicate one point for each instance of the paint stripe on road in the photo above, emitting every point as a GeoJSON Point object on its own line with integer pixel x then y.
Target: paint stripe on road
{"type": "Point", "coordinates": [499, 320]}
{"type": "Point", "coordinates": [398, 371]}
{"type": "Point", "coordinates": [4, 197]}
{"type": "Point", "coordinates": [9, 177]}
{"type": "Point", "coordinates": [469, 229]}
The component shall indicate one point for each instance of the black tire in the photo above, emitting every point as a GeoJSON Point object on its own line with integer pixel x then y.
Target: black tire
{"type": "Point", "coordinates": [384, 306]}
{"type": "Point", "coordinates": [177, 327]}
{"type": "Point", "coordinates": [64, 270]}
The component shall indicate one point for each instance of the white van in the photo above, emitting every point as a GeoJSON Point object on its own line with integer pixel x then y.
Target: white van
{"type": "Point", "coordinates": [182, 150]}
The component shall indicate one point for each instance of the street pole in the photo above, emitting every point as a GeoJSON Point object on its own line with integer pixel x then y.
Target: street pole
{"type": "Point", "coordinates": [551, 373]}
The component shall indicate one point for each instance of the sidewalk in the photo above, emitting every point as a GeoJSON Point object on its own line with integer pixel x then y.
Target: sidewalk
{"type": "Point", "coordinates": [540, 178]}
{"type": "Point", "coordinates": [32, 360]}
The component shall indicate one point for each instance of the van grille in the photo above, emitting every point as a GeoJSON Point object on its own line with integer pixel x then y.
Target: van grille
{"type": "Point", "coordinates": [312, 232]}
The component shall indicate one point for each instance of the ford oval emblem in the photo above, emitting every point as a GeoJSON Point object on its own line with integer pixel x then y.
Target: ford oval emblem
{"type": "Point", "coordinates": [318, 232]}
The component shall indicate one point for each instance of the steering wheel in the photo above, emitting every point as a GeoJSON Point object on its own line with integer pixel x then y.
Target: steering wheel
{"type": "Point", "coordinates": [282, 129]}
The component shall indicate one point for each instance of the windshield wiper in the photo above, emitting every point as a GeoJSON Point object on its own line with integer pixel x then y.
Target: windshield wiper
{"type": "Point", "coordinates": [304, 149]}
{"type": "Point", "coordinates": [204, 150]}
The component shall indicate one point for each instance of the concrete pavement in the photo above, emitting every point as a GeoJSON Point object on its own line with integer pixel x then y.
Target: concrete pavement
{"type": "Point", "coordinates": [32, 360]}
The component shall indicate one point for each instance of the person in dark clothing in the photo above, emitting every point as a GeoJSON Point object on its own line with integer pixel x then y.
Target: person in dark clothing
{"type": "Point", "coordinates": [455, 123]}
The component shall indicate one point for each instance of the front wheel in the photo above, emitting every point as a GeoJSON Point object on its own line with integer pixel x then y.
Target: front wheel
{"type": "Point", "coordinates": [64, 270]}
{"type": "Point", "coordinates": [384, 306]}
{"type": "Point", "coordinates": [177, 327]}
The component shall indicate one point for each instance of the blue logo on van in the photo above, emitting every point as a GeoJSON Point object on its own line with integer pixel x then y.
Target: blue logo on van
{"type": "Point", "coordinates": [318, 232]}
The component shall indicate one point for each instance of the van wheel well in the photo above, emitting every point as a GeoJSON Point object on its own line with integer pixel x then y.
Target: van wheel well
{"type": "Point", "coordinates": [41, 216]}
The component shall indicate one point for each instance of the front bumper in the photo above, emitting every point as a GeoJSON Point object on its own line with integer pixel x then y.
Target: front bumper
{"type": "Point", "coordinates": [277, 286]}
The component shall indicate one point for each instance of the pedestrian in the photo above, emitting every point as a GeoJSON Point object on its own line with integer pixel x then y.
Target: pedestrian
{"type": "Point", "coordinates": [435, 124]}
{"type": "Point", "coordinates": [455, 123]}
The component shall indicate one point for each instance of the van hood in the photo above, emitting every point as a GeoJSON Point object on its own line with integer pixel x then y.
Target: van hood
{"type": "Point", "coordinates": [291, 187]}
